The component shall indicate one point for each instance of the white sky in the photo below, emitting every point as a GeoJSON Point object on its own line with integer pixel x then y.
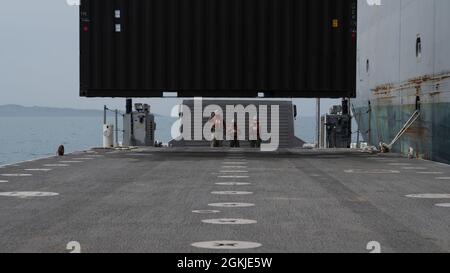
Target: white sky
{"type": "Point", "coordinates": [39, 60]}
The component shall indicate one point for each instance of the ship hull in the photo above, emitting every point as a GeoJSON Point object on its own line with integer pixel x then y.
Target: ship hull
{"type": "Point", "coordinates": [429, 137]}
{"type": "Point", "coordinates": [404, 66]}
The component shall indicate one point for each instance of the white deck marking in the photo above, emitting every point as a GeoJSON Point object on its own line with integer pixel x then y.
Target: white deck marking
{"type": "Point", "coordinates": [234, 163]}
{"type": "Point", "coordinates": [4, 181]}
{"type": "Point", "coordinates": [56, 165]}
{"type": "Point", "coordinates": [233, 184]}
{"type": "Point", "coordinates": [414, 168]}
{"type": "Point", "coordinates": [234, 171]}
{"type": "Point", "coordinates": [231, 205]}
{"type": "Point", "coordinates": [227, 245]}
{"type": "Point", "coordinates": [430, 172]}
{"type": "Point", "coordinates": [206, 211]}
{"type": "Point", "coordinates": [232, 192]}
{"type": "Point", "coordinates": [443, 205]}
{"type": "Point", "coordinates": [84, 158]}
{"type": "Point", "coordinates": [430, 196]}
{"type": "Point", "coordinates": [26, 194]}
{"type": "Point", "coordinates": [369, 171]}
{"type": "Point", "coordinates": [400, 164]}
{"type": "Point", "coordinates": [443, 178]}
{"type": "Point", "coordinates": [38, 170]}
{"type": "Point", "coordinates": [233, 176]}
{"type": "Point", "coordinates": [16, 175]}
{"type": "Point", "coordinates": [229, 221]}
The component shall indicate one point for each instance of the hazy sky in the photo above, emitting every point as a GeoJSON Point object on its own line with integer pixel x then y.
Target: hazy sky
{"type": "Point", "coordinates": [39, 59]}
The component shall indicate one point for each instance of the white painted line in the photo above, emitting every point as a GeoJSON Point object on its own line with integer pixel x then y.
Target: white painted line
{"type": "Point", "coordinates": [226, 245]}
{"type": "Point", "coordinates": [234, 171]}
{"type": "Point", "coordinates": [56, 165]}
{"type": "Point", "coordinates": [16, 175]}
{"type": "Point", "coordinates": [25, 194]}
{"type": "Point", "coordinates": [430, 196]}
{"type": "Point", "coordinates": [3, 181]}
{"type": "Point", "coordinates": [414, 168]}
{"type": "Point", "coordinates": [38, 170]}
{"type": "Point", "coordinates": [443, 205]}
{"type": "Point", "coordinates": [232, 192]}
{"type": "Point", "coordinates": [399, 164]}
{"type": "Point", "coordinates": [233, 176]}
{"type": "Point", "coordinates": [84, 158]}
{"type": "Point", "coordinates": [231, 205]}
{"type": "Point", "coordinates": [369, 171]}
{"type": "Point", "coordinates": [229, 221]}
{"type": "Point", "coordinates": [430, 172]}
{"type": "Point", "coordinates": [233, 184]}
{"type": "Point", "coordinates": [206, 211]}
{"type": "Point", "coordinates": [443, 178]}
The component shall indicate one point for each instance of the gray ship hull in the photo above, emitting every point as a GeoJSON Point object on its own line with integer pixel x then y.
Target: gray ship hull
{"type": "Point", "coordinates": [404, 66]}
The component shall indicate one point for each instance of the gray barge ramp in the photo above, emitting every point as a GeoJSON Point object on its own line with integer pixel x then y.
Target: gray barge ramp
{"type": "Point", "coordinates": [298, 201]}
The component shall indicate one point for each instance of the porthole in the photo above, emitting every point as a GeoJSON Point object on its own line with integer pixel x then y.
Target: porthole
{"type": "Point", "coordinates": [418, 47]}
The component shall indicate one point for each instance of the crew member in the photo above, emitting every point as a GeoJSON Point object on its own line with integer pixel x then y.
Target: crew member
{"type": "Point", "coordinates": [216, 129]}
{"type": "Point", "coordinates": [235, 133]}
{"type": "Point", "coordinates": [255, 143]}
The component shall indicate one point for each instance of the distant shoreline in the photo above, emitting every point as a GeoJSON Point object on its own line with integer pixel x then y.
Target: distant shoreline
{"type": "Point", "coordinates": [12, 110]}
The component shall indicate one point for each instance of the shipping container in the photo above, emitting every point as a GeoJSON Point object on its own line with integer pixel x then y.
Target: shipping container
{"type": "Point", "coordinates": [218, 48]}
